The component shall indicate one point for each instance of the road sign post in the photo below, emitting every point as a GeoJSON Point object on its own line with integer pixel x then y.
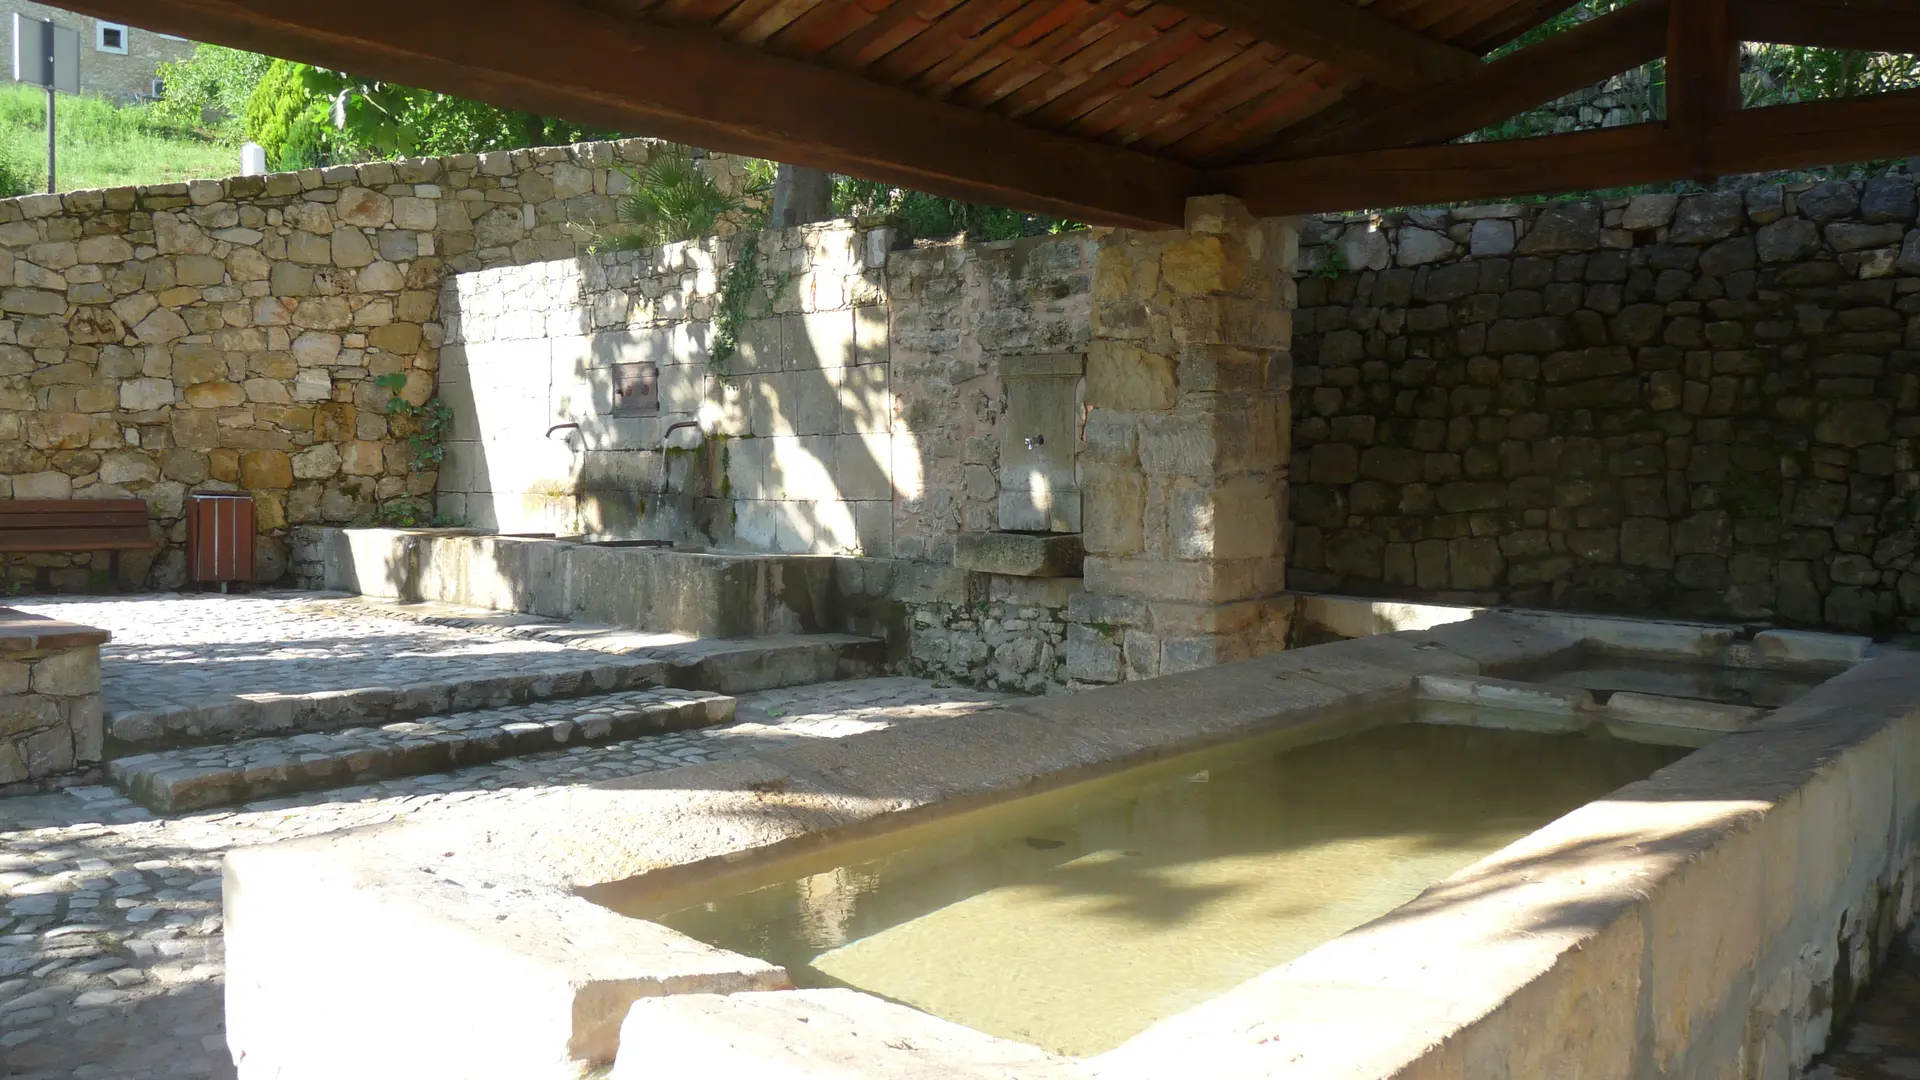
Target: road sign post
{"type": "Point", "coordinates": [46, 55]}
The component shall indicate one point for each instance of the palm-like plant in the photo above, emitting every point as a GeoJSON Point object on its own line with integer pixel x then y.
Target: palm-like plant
{"type": "Point", "coordinates": [672, 199]}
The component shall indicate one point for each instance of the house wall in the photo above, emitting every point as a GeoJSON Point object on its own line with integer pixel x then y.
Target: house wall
{"type": "Point", "coordinates": [121, 77]}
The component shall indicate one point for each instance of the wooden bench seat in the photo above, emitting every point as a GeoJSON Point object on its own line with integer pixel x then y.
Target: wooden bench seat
{"type": "Point", "coordinates": [75, 525]}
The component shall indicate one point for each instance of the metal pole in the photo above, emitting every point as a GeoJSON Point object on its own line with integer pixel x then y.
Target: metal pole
{"type": "Point", "coordinates": [51, 80]}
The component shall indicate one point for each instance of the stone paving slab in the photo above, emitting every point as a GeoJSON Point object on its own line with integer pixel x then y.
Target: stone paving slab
{"type": "Point", "coordinates": [185, 670]}
{"type": "Point", "coordinates": [258, 768]}
{"type": "Point", "coordinates": [111, 966]}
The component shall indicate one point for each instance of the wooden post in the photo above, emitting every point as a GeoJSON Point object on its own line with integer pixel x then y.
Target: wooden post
{"type": "Point", "coordinates": [1703, 74]}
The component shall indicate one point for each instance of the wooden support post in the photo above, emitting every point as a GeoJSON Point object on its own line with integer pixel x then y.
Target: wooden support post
{"type": "Point", "coordinates": [1703, 74]}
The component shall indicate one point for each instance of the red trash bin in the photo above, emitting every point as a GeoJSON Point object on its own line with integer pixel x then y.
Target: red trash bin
{"type": "Point", "coordinates": [220, 537]}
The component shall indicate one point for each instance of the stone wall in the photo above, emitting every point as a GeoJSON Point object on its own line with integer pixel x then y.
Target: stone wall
{"type": "Point", "coordinates": [1009, 633]}
{"type": "Point", "coordinates": [859, 414]}
{"type": "Point", "coordinates": [225, 334]}
{"type": "Point", "coordinates": [1701, 405]}
{"type": "Point", "coordinates": [51, 714]}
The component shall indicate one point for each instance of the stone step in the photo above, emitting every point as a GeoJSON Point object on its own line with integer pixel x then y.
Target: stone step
{"type": "Point", "coordinates": [197, 778]}
{"type": "Point", "coordinates": [134, 731]}
{"type": "Point", "coordinates": [728, 665]}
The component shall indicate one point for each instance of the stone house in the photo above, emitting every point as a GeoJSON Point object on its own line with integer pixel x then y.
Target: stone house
{"type": "Point", "coordinates": [117, 61]}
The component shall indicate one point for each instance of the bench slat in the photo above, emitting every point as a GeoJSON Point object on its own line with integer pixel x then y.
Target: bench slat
{"type": "Point", "coordinates": [121, 538]}
{"type": "Point", "coordinates": [65, 520]}
{"type": "Point", "coordinates": [35, 505]}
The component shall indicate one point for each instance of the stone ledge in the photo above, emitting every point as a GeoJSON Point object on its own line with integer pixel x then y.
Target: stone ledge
{"type": "Point", "coordinates": [258, 768]}
{"type": "Point", "coordinates": [21, 632]}
{"type": "Point", "coordinates": [1019, 554]}
{"type": "Point", "coordinates": [138, 731]}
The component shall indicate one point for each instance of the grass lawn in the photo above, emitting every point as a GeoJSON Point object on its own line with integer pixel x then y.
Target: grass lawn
{"type": "Point", "coordinates": [101, 145]}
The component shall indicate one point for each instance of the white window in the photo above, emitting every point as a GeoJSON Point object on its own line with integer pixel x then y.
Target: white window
{"type": "Point", "coordinates": [110, 37]}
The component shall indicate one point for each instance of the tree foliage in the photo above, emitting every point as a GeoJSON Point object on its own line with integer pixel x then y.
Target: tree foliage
{"type": "Point", "coordinates": [1769, 74]}
{"type": "Point", "coordinates": [305, 115]}
{"type": "Point", "coordinates": [932, 217]}
{"type": "Point", "coordinates": [211, 87]}
{"type": "Point", "coordinates": [672, 199]}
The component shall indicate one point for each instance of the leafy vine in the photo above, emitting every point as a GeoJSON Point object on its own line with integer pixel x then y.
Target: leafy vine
{"type": "Point", "coordinates": [426, 425]}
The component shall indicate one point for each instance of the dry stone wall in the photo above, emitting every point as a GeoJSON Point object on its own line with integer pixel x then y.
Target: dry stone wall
{"type": "Point", "coordinates": [225, 334]}
{"type": "Point", "coordinates": [1701, 405]}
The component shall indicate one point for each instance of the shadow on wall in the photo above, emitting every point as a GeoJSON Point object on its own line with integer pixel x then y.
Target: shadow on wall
{"type": "Point", "coordinates": [586, 400]}
{"type": "Point", "coordinates": [798, 440]}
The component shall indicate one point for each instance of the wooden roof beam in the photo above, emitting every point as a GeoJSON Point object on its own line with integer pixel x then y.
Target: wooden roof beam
{"type": "Point", "coordinates": [1339, 33]}
{"type": "Point", "coordinates": [1566, 62]}
{"type": "Point", "coordinates": [1741, 141]}
{"type": "Point", "coordinates": [561, 59]}
{"type": "Point", "coordinates": [1829, 24]}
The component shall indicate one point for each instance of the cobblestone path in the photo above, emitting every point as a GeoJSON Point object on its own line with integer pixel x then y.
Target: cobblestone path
{"type": "Point", "coordinates": [173, 650]}
{"type": "Point", "coordinates": [110, 954]}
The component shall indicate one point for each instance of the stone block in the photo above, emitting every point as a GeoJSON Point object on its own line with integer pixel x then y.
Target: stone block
{"type": "Point", "coordinates": [68, 672]}
{"type": "Point", "coordinates": [1092, 654]}
{"type": "Point", "coordinates": [819, 340]}
{"type": "Point", "coordinates": [1019, 554]}
{"type": "Point", "coordinates": [1113, 512]}
{"type": "Point", "coordinates": [48, 752]}
{"type": "Point", "coordinates": [1122, 376]}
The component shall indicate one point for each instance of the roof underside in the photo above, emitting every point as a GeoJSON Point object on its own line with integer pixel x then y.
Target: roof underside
{"type": "Point", "coordinates": [1111, 111]}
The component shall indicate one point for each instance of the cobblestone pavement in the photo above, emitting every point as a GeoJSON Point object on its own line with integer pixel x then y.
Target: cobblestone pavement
{"type": "Point", "coordinates": [110, 956]}
{"type": "Point", "coordinates": [172, 650]}
{"type": "Point", "coordinates": [1882, 1038]}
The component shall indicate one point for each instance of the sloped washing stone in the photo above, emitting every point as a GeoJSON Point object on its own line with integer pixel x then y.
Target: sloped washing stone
{"type": "Point", "coordinates": [1680, 713]}
{"type": "Point", "coordinates": [195, 779]}
{"type": "Point", "coordinates": [1503, 694]}
{"type": "Point", "coordinates": [1807, 649]}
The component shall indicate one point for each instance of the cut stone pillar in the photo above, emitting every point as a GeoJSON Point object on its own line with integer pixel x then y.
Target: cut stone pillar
{"type": "Point", "coordinates": [1184, 468]}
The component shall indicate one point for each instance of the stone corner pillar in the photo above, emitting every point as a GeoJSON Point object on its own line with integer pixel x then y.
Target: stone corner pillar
{"type": "Point", "coordinates": [1184, 463]}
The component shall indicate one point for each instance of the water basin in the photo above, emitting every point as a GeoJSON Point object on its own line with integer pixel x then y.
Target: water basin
{"type": "Point", "coordinates": [1076, 919]}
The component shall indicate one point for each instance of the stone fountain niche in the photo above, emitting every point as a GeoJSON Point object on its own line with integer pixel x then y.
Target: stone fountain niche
{"type": "Point", "coordinates": [1039, 503]}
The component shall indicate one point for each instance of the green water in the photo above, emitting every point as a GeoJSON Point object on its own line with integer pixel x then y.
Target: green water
{"type": "Point", "coordinates": [1076, 920]}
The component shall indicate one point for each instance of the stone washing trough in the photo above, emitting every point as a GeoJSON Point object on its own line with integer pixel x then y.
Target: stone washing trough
{"type": "Point", "coordinates": [1706, 920]}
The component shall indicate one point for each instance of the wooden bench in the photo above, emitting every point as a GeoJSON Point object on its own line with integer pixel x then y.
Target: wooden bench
{"type": "Point", "coordinates": [73, 525]}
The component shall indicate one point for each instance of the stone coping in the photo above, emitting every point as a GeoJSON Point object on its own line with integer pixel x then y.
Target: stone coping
{"type": "Point", "coordinates": [1722, 644]}
{"type": "Point", "coordinates": [1646, 904]}
{"type": "Point", "coordinates": [21, 632]}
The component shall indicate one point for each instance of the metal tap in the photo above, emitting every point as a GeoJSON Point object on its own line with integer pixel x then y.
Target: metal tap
{"type": "Point", "coordinates": [1035, 442]}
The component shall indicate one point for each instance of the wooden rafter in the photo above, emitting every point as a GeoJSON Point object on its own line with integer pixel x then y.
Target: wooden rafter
{"type": "Point", "coordinates": [1344, 35]}
{"type": "Point", "coordinates": [691, 86]}
{"type": "Point", "coordinates": [1830, 24]}
{"type": "Point", "coordinates": [1566, 62]}
{"type": "Point", "coordinates": [1740, 141]}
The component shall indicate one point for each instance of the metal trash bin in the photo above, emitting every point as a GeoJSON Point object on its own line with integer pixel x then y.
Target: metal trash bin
{"type": "Point", "coordinates": [220, 536]}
